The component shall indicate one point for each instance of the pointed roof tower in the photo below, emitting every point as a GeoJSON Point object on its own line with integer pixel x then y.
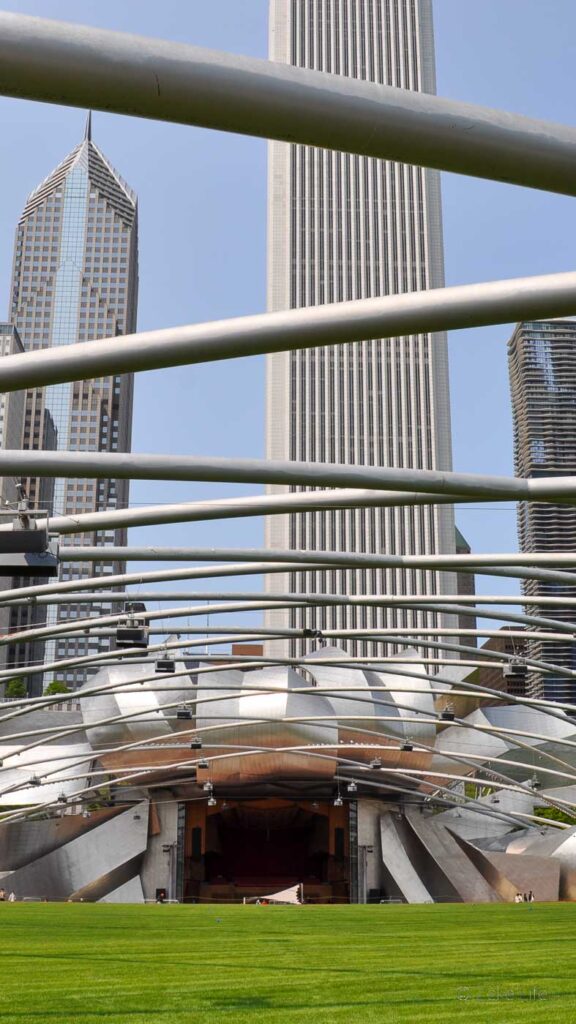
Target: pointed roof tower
{"type": "Point", "coordinates": [100, 171]}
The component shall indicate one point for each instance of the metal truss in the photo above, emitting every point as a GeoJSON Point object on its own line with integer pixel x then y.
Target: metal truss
{"type": "Point", "coordinates": [89, 67]}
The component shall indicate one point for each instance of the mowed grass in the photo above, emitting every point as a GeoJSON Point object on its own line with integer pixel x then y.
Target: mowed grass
{"type": "Point", "coordinates": [85, 964]}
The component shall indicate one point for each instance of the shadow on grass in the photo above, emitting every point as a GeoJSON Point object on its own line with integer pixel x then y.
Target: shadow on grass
{"type": "Point", "coordinates": [376, 972]}
{"type": "Point", "coordinates": [115, 1015]}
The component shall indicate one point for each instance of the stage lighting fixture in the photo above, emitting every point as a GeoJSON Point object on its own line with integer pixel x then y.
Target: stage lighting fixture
{"type": "Point", "coordinates": [165, 665]}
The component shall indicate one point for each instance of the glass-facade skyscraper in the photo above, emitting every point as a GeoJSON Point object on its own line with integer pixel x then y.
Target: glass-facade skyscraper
{"type": "Point", "coordinates": [345, 227]}
{"type": "Point", "coordinates": [75, 278]}
{"type": "Point", "coordinates": [542, 363]}
{"type": "Point", "coordinates": [11, 412]}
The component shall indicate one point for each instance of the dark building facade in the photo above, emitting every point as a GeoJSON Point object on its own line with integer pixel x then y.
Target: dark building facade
{"type": "Point", "coordinates": [542, 363]}
{"type": "Point", "coordinates": [512, 678]}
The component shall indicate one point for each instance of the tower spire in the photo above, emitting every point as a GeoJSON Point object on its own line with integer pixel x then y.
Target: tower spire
{"type": "Point", "coordinates": [88, 129]}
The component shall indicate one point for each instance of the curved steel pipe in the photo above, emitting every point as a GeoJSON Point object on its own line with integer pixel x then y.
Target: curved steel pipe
{"type": "Point", "coordinates": [83, 626]}
{"type": "Point", "coordinates": [212, 469]}
{"type": "Point", "coordinates": [441, 309]}
{"type": "Point", "coordinates": [325, 557]}
{"type": "Point", "coordinates": [57, 62]}
{"type": "Point", "coordinates": [233, 508]}
{"type": "Point", "coordinates": [321, 600]}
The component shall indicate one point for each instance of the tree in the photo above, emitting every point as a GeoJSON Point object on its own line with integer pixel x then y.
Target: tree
{"type": "Point", "coordinates": [15, 688]}
{"type": "Point", "coordinates": [55, 688]}
{"type": "Point", "coordinates": [555, 814]}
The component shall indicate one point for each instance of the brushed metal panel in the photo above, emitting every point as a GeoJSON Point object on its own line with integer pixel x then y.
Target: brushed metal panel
{"type": "Point", "coordinates": [86, 858]}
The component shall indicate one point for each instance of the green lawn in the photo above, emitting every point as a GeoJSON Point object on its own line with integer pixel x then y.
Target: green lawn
{"type": "Point", "coordinates": [85, 964]}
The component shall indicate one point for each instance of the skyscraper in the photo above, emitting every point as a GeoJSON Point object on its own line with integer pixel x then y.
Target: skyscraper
{"type": "Point", "coordinates": [349, 227]}
{"type": "Point", "coordinates": [75, 278]}
{"type": "Point", "coordinates": [542, 363]}
{"type": "Point", "coordinates": [11, 412]}
{"type": "Point", "coordinates": [11, 425]}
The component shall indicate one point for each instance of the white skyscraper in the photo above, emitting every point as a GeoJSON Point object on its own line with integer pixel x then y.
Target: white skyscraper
{"type": "Point", "coordinates": [349, 227]}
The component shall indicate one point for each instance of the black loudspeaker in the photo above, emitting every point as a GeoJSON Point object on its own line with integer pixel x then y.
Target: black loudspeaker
{"type": "Point", "coordinates": [339, 844]}
{"type": "Point", "coordinates": [197, 843]}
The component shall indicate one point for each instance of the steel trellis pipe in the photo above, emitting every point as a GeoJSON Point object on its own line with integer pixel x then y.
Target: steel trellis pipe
{"type": "Point", "coordinates": [493, 778]}
{"type": "Point", "coordinates": [262, 561]}
{"type": "Point", "coordinates": [116, 657]}
{"type": "Point", "coordinates": [406, 636]}
{"type": "Point", "coordinates": [234, 508]}
{"type": "Point", "coordinates": [215, 636]}
{"type": "Point", "coordinates": [552, 709]}
{"type": "Point", "coordinates": [219, 697]}
{"type": "Point", "coordinates": [441, 309]}
{"type": "Point", "coordinates": [325, 558]}
{"type": "Point", "coordinates": [165, 554]}
{"type": "Point", "coordinates": [83, 626]}
{"type": "Point", "coordinates": [142, 743]}
{"type": "Point", "coordinates": [94, 68]}
{"type": "Point", "coordinates": [412, 776]}
{"type": "Point", "coordinates": [96, 554]}
{"type": "Point", "coordinates": [477, 656]}
{"type": "Point", "coordinates": [216, 727]}
{"type": "Point", "coordinates": [131, 466]}
{"type": "Point", "coordinates": [470, 760]}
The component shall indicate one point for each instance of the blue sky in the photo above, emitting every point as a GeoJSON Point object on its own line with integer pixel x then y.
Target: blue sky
{"type": "Point", "coordinates": [202, 202]}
